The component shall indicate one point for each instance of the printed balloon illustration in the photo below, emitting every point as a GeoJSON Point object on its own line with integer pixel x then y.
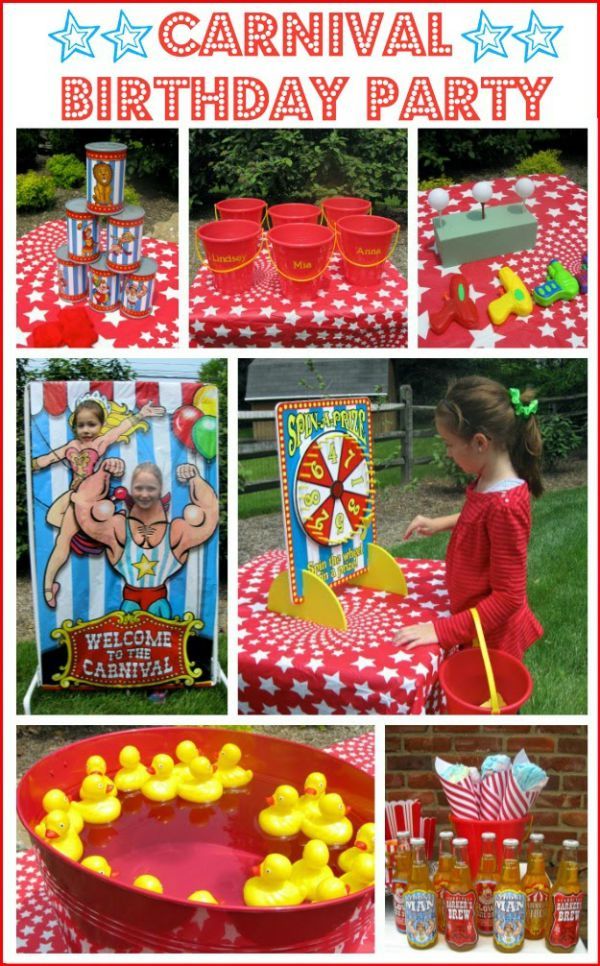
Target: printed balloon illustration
{"type": "Point", "coordinates": [184, 420]}
{"type": "Point", "coordinates": [206, 400]}
{"type": "Point", "coordinates": [204, 435]}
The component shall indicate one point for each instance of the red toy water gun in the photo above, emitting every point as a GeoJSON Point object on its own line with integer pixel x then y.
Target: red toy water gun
{"type": "Point", "coordinates": [458, 308]}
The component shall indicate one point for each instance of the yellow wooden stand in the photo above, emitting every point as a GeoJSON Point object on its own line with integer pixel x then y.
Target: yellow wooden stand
{"type": "Point", "coordinates": [321, 605]}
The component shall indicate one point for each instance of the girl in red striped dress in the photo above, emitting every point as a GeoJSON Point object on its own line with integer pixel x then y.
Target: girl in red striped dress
{"type": "Point", "coordinates": [492, 433]}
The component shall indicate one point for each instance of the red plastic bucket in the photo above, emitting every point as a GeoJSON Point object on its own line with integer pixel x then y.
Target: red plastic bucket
{"type": "Point", "coordinates": [250, 209]}
{"type": "Point", "coordinates": [301, 254]}
{"type": "Point", "coordinates": [471, 829]}
{"type": "Point", "coordinates": [231, 248]}
{"type": "Point", "coordinates": [111, 913]}
{"type": "Point", "coordinates": [341, 207]}
{"type": "Point", "coordinates": [464, 682]}
{"type": "Point", "coordinates": [364, 243]}
{"type": "Point", "coordinates": [292, 213]}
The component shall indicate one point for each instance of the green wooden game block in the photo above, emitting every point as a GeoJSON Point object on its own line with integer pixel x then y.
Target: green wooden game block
{"type": "Point", "coordinates": [467, 237]}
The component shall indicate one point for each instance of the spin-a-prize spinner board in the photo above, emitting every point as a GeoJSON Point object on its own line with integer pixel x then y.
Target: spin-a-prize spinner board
{"type": "Point", "coordinates": [326, 466]}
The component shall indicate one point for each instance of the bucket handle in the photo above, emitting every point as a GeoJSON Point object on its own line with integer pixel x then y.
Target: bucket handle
{"type": "Point", "coordinates": [325, 219]}
{"type": "Point", "coordinates": [291, 278]}
{"type": "Point", "coordinates": [226, 271]}
{"type": "Point", "coordinates": [369, 264]}
{"type": "Point", "coordinates": [264, 220]}
{"type": "Point", "coordinates": [480, 640]}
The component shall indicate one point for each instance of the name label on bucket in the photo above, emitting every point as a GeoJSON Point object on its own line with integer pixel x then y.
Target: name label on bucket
{"type": "Point", "coordinates": [227, 258]}
{"type": "Point", "coordinates": [303, 265]}
{"type": "Point", "coordinates": [368, 251]}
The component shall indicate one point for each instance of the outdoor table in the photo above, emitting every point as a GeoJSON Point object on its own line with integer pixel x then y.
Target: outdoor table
{"type": "Point", "coordinates": [38, 929]}
{"type": "Point", "coordinates": [560, 207]}
{"type": "Point", "coordinates": [37, 297]}
{"type": "Point", "coordinates": [339, 315]}
{"type": "Point", "coordinates": [289, 666]}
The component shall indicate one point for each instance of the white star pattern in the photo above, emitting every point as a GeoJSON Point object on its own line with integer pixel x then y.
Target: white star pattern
{"type": "Point", "coordinates": [561, 213]}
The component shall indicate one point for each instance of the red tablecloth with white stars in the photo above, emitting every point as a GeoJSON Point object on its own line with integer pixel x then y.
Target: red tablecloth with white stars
{"type": "Point", "coordinates": [37, 297]}
{"type": "Point", "coordinates": [560, 207]}
{"type": "Point", "coordinates": [289, 666]}
{"type": "Point", "coordinates": [38, 929]}
{"type": "Point", "coordinates": [339, 315]}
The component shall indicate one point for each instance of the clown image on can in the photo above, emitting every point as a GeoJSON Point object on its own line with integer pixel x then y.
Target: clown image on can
{"type": "Point", "coordinates": [124, 246]}
{"type": "Point", "coordinates": [105, 171]}
{"type": "Point", "coordinates": [104, 289]}
{"type": "Point", "coordinates": [71, 277]}
{"type": "Point", "coordinates": [82, 232]}
{"type": "Point", "coordinates": [138, 290]}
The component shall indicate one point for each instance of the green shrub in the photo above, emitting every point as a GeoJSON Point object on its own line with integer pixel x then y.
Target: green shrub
{"type": "Point", "coordinates": [560, 438]}
{"type": "Point", "coordinates": [428, 184]}
{"type": "Point", "coordinates": [35, 192]}
{"type": "Point", "coordinates": [27, 149]}
{"type": "Point", "coordinates": [67, 170]}
{"type": "Point", "coordinates": [130, 195]}
{"type": "Point", "coordinates": [543, 162]}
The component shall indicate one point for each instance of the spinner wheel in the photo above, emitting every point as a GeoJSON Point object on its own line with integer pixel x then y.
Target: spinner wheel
{"type": "Point", "coordinates": [333, 488]}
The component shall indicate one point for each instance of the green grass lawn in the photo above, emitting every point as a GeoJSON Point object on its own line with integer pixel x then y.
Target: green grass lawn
{"type": "Point", "coordinates": [267, 468]}
{"type": "Point", "coordinates": [193, 701]}
{"type": "Point", "coordinates": [557, 590]}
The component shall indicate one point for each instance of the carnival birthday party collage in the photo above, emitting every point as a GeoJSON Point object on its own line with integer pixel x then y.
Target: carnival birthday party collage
{"type": "Point", "coordinates": [299, 394]}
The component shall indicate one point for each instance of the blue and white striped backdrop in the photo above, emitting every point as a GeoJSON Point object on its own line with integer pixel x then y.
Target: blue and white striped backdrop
{"type": "Point", "coordinates": [89, 587]}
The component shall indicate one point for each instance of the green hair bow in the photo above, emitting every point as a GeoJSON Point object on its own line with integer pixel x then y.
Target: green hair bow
{"type": "Point", "coordinates": [524, 411]}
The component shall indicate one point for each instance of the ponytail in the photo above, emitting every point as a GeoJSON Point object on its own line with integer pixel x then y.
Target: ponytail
{"type": "Point", "coordinates": [525, 450]}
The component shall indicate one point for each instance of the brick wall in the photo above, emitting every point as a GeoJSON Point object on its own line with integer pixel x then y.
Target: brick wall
{"type": "Point", "coordinates": [560, 811]}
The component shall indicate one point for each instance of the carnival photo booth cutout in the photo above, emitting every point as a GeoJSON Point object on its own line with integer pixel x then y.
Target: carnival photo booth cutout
{"type": "Point", "coordinates": [328, 494]}
{"type": "Point", "coordinates": [123, 512]}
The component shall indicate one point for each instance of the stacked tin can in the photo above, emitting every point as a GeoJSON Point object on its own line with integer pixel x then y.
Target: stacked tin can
{"type": "Point", "coordinates": [118, 277]}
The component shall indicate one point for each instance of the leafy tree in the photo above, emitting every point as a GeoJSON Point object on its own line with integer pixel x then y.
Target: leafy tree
{"type": "Point", "coordinates": [214, 371]}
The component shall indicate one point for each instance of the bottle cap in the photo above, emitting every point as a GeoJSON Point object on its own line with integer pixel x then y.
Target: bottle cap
{"type": "Point", "coordinates": [447, 835]}
{"type": "Point", "coordinates": [511, 843]}
{"type": "Point", "coordinates": [417, 842]}
{"type": "Point", "coordinates": [402, 836]}
{"type": "Point", "coordinates": [536, 837]}
{"type": "Point", "coordinates": [570, 844]}
{"type": "Point", "coordinates": [488, 836]}
{"type": "Point", "coordinates": [459, 843]}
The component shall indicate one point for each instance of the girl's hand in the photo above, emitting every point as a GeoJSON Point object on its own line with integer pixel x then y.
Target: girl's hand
{"type": "Point", "coordinates": [423, 526]}
{"type": "Point", "coordinates": [416, 635]}
{"type": "Point", "coordinates": [148, 411]}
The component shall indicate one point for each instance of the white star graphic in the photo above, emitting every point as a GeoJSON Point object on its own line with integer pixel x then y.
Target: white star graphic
{"type": "Point", "coordinates": [333, 682]}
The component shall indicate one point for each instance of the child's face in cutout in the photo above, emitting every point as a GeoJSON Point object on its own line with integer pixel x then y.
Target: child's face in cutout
{"type": "Point", "coordinates": [468, 454]}
{"type": "Point", "coordinates": [145, 489]}
{"type": "Point", "coordinates": [87, 425]}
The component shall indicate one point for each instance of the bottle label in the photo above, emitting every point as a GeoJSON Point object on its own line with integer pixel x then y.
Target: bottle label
{"type": "Point", "coordinates": [460, 918]}
{"type": "Point", "coordinates": [485, 906]}
{"type": "Point", "coordinates": [509, 918]}
{"type": "Point", "coordinates": [537, 910]}
{"type": "Point", "coordinates": [421, 917]}
{"type": "Point", "coordinates": [398, 890]}
{"type": "Point", "coordinates": [566, 911]}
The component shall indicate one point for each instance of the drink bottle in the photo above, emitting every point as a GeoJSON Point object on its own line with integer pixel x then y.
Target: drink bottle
{"type": "Point", "coordinates": [419, 901]}
{"type": "Point", "coordinates": [441, 877]}
{"type": "Point", "coordinates": [509, 902]}
{"type": "Point", "coordinates": [537, 887]}
{"type": "Point", "coordinates": [566, 901]}
{"type": "Point", "coordinates": [485, 884]}
{"type": "Point", "coordinates": [401, 877]}
{"type": "Point", "coordinates": [460, 901]}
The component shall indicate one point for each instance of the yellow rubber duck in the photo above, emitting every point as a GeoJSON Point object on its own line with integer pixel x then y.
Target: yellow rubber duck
{"type": "Point", "coordinates": [315, 786]}
{"type": "Point", "coordinates": [203, 895]}
{"type": "Point", "coordinates": [203, 785]}
{"type": "Point", "coordinates": [330, 824]}
{"type": "Point", "coordinates": [55, 799]}
{"type": "Point", "coordinates": [270, 885]}
{"type": "Point", "coordinates": [163, 787]}
{"type": "Point", "coordinates": [331, 889]}
{"type": "Point", "coordinates": [312, 868]}
{"type": "Point", "coordinates": [229, 771]}
{"type": "Point", "coordinates": [362, 873]}
{"type": "Point", "coordinates": [185, 753]}
{"type": "Point", "coordinates": [132, 774]}
{"type": "Point", "coordinates": [364, 842]}
{"type": "Point", "coordinates": [96, 765]}
{"type": "Point", "coordinates": [98, 864]}
{"type": "Point", "coordinates": [60, 836]}
{"type": "Point", "coordinates": [148, 882]}
{"type": "Point", "coordinates": [282, 818]}
{"type": "Point", "coordinates": [97, 806]}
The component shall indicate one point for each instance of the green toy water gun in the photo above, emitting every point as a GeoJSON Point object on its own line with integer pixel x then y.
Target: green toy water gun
{"type": "Point", "coordinates": [560, 284]}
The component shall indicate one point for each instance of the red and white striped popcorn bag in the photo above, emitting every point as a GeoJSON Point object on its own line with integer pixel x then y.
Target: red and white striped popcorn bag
{"type": "Point", "coordinates": [463, 796]}
{"type": "Point", "coordinates": [492, 794]}
{"type": "Point", "coordinates": [516, 803]}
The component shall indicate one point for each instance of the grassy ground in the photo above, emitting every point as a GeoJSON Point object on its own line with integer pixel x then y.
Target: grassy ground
{"type": "Point", "coordinates": [266, 468]}
{"type": "Point", "coordinates": [181, 701]}
{"type": "Point", "coordinates": [557, 592]}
